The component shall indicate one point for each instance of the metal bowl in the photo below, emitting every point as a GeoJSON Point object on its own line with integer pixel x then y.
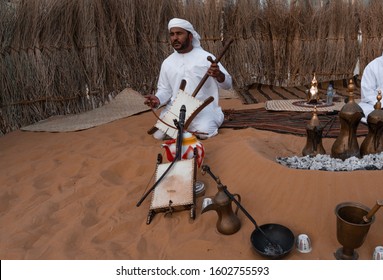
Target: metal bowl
{"type": "Point", "coordinates": [279, 234]}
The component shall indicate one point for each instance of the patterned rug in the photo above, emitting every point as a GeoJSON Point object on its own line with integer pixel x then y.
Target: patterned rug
{"type": "Point", "coordinates": [275, 117]}
{"type": "Point", "coordinates": [259, 93]}
{"type": "Point", "coordinates": [285, 122]}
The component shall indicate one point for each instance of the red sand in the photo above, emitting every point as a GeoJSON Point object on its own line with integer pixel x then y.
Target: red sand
{"type": "Point", "coordinates": [73, 195]}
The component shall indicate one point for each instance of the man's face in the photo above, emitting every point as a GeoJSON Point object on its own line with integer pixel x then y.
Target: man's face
{"type": "Point", "coordinates": [181, 39]}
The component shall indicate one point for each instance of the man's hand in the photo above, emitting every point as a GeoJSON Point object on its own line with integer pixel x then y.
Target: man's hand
{"type": "Point", "coordinates": [152, 101]}
{"type": "Point", "coordinates": [214, 72]}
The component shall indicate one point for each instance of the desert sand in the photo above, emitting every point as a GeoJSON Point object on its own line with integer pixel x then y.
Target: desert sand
{"type": "Point", "coordinates": [73, 195]}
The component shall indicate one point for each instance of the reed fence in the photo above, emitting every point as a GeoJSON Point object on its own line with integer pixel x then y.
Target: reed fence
{"type": "Point", "coordinates": [70, 56]}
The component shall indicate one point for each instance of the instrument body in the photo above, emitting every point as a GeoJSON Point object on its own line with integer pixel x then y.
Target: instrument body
{"type": "Point", "coordinates": [192, 104]}
{"type": "Point", "coordinates": [175, 192]}
{"type": "Point", "coordinates": [193, 107]}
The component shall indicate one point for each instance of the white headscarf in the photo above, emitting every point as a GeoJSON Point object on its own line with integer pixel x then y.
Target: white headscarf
{"type": "Point", "coordinates": [184, 24]}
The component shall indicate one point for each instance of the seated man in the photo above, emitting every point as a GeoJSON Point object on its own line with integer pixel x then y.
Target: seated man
{"type": "Point", "coordinates": [372, 81]}
{"type": "Point", "coordinates": [189, 62]}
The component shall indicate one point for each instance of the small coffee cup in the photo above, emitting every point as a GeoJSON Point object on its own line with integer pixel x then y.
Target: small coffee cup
{"type": "Point", "coordinates": [303, 243]}
{"type": "Point", "coordinates": [378, 253]}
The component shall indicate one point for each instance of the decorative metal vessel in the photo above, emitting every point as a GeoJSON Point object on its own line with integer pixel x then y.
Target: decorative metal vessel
{"type": "Point", "coordinates": [228, 221]}
{"type": "Point", "coordinates": [346, 144]}
{"type": "Point", "coordinates": [373, 143]}
{"type": "Point", "coordinates": [351, 229]}
{"type": "Point", "coordinates": [313, 92]}
{"type": "Point", "coordinates": [314, 130]}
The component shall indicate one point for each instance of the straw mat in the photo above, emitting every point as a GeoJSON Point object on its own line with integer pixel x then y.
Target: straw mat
{"type": "Point", "coordinates": [297, 105]}
{"type": "Point", "coordinates": [127, 103]}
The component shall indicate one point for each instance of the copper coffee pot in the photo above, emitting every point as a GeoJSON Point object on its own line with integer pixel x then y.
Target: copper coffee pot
{"type": "Point", "coordinates": [346, 144]}
{"type": "Point", "coordinates": [314, 130]}
{"type": "Point", "coordinates": [373, 143]}
{"type": "Point", "coordinates": [228, 221]}
{"type": "Point", "coordinates": [270, 240]}
{"type": "Point", "coordinates": [313, 92]}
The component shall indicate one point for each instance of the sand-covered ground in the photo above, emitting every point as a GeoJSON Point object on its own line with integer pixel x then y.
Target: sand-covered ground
{"type": "Point", "coordinates": [73, 195]}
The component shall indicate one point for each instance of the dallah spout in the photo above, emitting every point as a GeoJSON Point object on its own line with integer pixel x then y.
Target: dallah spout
{"type": "Point", "coordinates": [208, 204]}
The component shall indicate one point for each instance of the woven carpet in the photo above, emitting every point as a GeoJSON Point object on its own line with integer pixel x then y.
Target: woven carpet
{"type": "Point", "coordinates": [259, 93]}
{"type": "Point", "coordinates": [285, 122]}
{"type": "Point", "coordinates": [127, 103]}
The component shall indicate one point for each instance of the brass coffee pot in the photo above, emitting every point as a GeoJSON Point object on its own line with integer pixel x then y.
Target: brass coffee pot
{"type": "Point", "coordinates": [373, 143]}
{"type": "Point", "coordinates": [228, 221]}
{"type": "Point", "coordinates": [314, 130]}
{"type": "Point", "coordinates": [346, 145]}
{"type": "Point", "coordinates": [313, 92]}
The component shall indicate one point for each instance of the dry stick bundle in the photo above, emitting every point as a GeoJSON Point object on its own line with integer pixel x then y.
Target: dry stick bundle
{"type": "Point", "coordinates": [43, 76]}
{"type": "Point", "coordinates": [23, 66]}
{"type": "Point", "coordinates": [57, 64]}
{"type": "Point", "coordinates": [307, 38]}
{"type": "Point", "coordinates": [318, 42]}
{"type": "Point", "coordinates": [246, 59]}
{"type": "Point", "coordinates": [7, 17]}
{"type": "Point", "coordinates": [325, 55]}
{"type": "Point", "coordinates": [315, 54]}
{"type": "Point", "coordinates": [150, 23]}
{"type": "Point", "coordinates": [371, 26]}
{"type": "Point", "coordinates": [277, 13]}
{"type": "Point", "coordinates": [340, 49]}
{"type": "Point", "coordinates": [120, 48]}
{"type": "Point", "coordinates": [322, 42]}
{"type": "Point", "coordinates": [352, 48]}
{"type": "Point", "coordinates": [266, 45]}
{"type": "Point", "coordinates": [300, 15]}
{"type": "Point", "coordinates": [90, 43]}
{"type": "Point", "coordinates": [210, 30]}
{"type": "Point", "coordinates": [61, 48]}
{"type": "Point", "coordinates": [128, 65]}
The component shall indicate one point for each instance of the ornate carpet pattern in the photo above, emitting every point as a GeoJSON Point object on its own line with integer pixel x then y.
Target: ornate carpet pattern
{"type": "Point", "coordinates": [275, 117]}
{"type": "Point", "coordinates": [285, 122]}
{"type": "Point", "coordinates": [299, 105]}
{"type": "Point", "coordinates": [259, 93]}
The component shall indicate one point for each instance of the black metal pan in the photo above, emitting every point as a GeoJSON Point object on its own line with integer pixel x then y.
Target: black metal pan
{"type": "Point", "coordinates": [279, 234]}
{"type": "Point", "coordinates": [270, 240]}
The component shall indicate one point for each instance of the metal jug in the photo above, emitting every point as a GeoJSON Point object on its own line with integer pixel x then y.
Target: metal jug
{"type": "Point", "coordinates": [228, 221]}
{"type": "Point", "coordinates": [314, 130]}
{"type": "Point", "coordinates": [346, 145]}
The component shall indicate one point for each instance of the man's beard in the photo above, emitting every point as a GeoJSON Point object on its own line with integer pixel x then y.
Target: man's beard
{"type": "Point", "coordinates": [183, 45]}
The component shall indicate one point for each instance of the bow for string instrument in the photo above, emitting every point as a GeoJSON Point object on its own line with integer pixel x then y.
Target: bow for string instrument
{"type": "Point", "coordinates": [180, 126]}
{"type": "Point", "coordinates": [194, 106]}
